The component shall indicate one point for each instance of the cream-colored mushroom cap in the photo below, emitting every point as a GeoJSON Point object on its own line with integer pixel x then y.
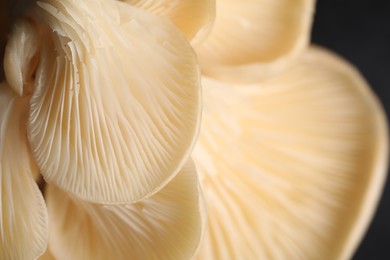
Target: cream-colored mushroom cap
{"type": "Point", "coordinates": [291, 168]}
{"type": "Point", "coordinates": [168, 225]}
{"type": "Point", "coordinates": [115, 107]}
{"type": "Point", "coordinates": [21, 56]}
{"type": "Point", "coordinates": [193, 17]}
{"type": "Point", "coordinates": [265, 35]}
{"type": "Point", "coordinates": [23, 216]}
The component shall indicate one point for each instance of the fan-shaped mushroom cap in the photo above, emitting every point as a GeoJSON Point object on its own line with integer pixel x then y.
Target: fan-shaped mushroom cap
{"type": "Point", "coordinates": [116, 105]}
{"type": "Point", "coordinates": [168, 225]}
{"type": "Point", "coordinates": [261, 35]}
{"type": "Point", "coordinates": [193, 17]}
{"type": "Point", "coordinates": [291, 168]}
{"type": "Point", "coordinates": [23, 216]}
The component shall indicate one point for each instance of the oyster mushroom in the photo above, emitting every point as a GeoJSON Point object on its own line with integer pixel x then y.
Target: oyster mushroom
{"type": "Point", "coordinates": [115, 104]}
{"type": "Point", "coordinates": [168, 225]}
{"type": "Point", "coordinates": [194, 18]}
{"type": "Point", "coordinates": [264, 35]}
{"type": "Point", "coordinates": [103, 99]}
{"type": "Point", "coordinates": [296, 169]}
{"type": "Point", "coordinates": [23, 216]}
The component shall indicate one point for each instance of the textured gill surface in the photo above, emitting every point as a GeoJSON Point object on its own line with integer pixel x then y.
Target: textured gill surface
{"type": "Point", "coordinates": [23, 217]}
{"type": "Point", "coordinates": [168, 225]}
{"type": "Point", "coordinates": [291, 168]}
{"type": "Point", "coordinates": [115, 110]}
{"type": "Point", "coordinates": [193, 17]}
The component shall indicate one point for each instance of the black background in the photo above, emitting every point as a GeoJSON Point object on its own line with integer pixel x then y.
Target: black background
{"type": "Point", "coordinates": [359, 30]}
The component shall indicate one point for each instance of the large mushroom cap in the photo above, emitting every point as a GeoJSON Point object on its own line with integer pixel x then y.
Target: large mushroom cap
{"type": "Point", "coordinates": [168, 225]}
{"type": "Point", "coordinates": [292, 168]}
{"type": "Point", "coordinates": [116, 100]}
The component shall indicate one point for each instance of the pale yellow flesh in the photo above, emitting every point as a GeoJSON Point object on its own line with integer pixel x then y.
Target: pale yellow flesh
{"type": "Point", "coordinates": [193, 17]}
{"type": "Point", "coordinates": [168, 225]}
{"type": "Point", "coordinates": [20, 58]}
{"type": "Point", "coordinates": [23, 216]}
{"type": "Point", "coordinates": [47, 256]}
{"type": "Point", "coordinates": [265, 34]}
{"type": "Point", "coordinates": [115, 108]}
{"type": "Point", "coordinates": [291, 168]}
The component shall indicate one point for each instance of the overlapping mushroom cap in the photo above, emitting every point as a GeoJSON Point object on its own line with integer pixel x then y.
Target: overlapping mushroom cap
{"type": "Point", "coordinates": [304, 159]}
{"type": "Point", "coordinates": [168, 225]}
{"type": "Point", "coordinates": [23, 218]}
{"type": "Point", "coordinates": [103, 99]}
{"type": "Point", "coordinates": [193, 18]}
{"type": "Point", "coordinates": [292, 152]}
{"type": "Point", "coordinates": [261, 35]}
{"type": "Point", "coordinates": [116, 99]}
{"type": "Point", "coordinates": [293, 148]}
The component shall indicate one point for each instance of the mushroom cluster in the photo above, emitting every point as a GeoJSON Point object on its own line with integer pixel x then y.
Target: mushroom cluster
{"type": "Point", "coordinates": [101, 103]}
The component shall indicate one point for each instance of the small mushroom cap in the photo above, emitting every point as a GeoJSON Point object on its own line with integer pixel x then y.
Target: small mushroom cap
{"type": "Point", "coordinates": [292, 167]}
{"type": "Point", "coordinates": [116, 107]}
{"type": "Point", "coordinates": [193, 17]}
{"type": "Point", "coordinates": [168, 225]}
{"type": "Point", "coordinates": [264, 35]}
{"type": "Point", "coordinates": [20, 58]}
{"type": "Point", "coordinates": [23, 216]}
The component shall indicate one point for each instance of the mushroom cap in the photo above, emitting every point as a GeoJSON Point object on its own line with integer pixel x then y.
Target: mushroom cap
{"type": "Point", "coordinates": [262, 35]}
{"type": "Point", "coordinates": [115, 108]}
{"type": "Point", "coordinates": [23, 216]}
{"type": "Point", "coordinates": [193, 17]}
{"type": "Point", "coordinates": [168, 225]}
{"type": "Point", "coordinates": [21, 56]}
{"type": "Point", "coordinates": [292, 167]}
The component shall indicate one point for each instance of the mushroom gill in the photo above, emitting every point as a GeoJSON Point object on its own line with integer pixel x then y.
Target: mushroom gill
{"type": "Point", "coordinates": [296, 169]}
{"type": "Point", "coordinates": [23, 216]}
{"type": "Point", "coordinates": [168, 225]}
{"type": "Point", "coordinates": [193, 17]}
{"type": "Point", "coordinates": [115, 105]}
